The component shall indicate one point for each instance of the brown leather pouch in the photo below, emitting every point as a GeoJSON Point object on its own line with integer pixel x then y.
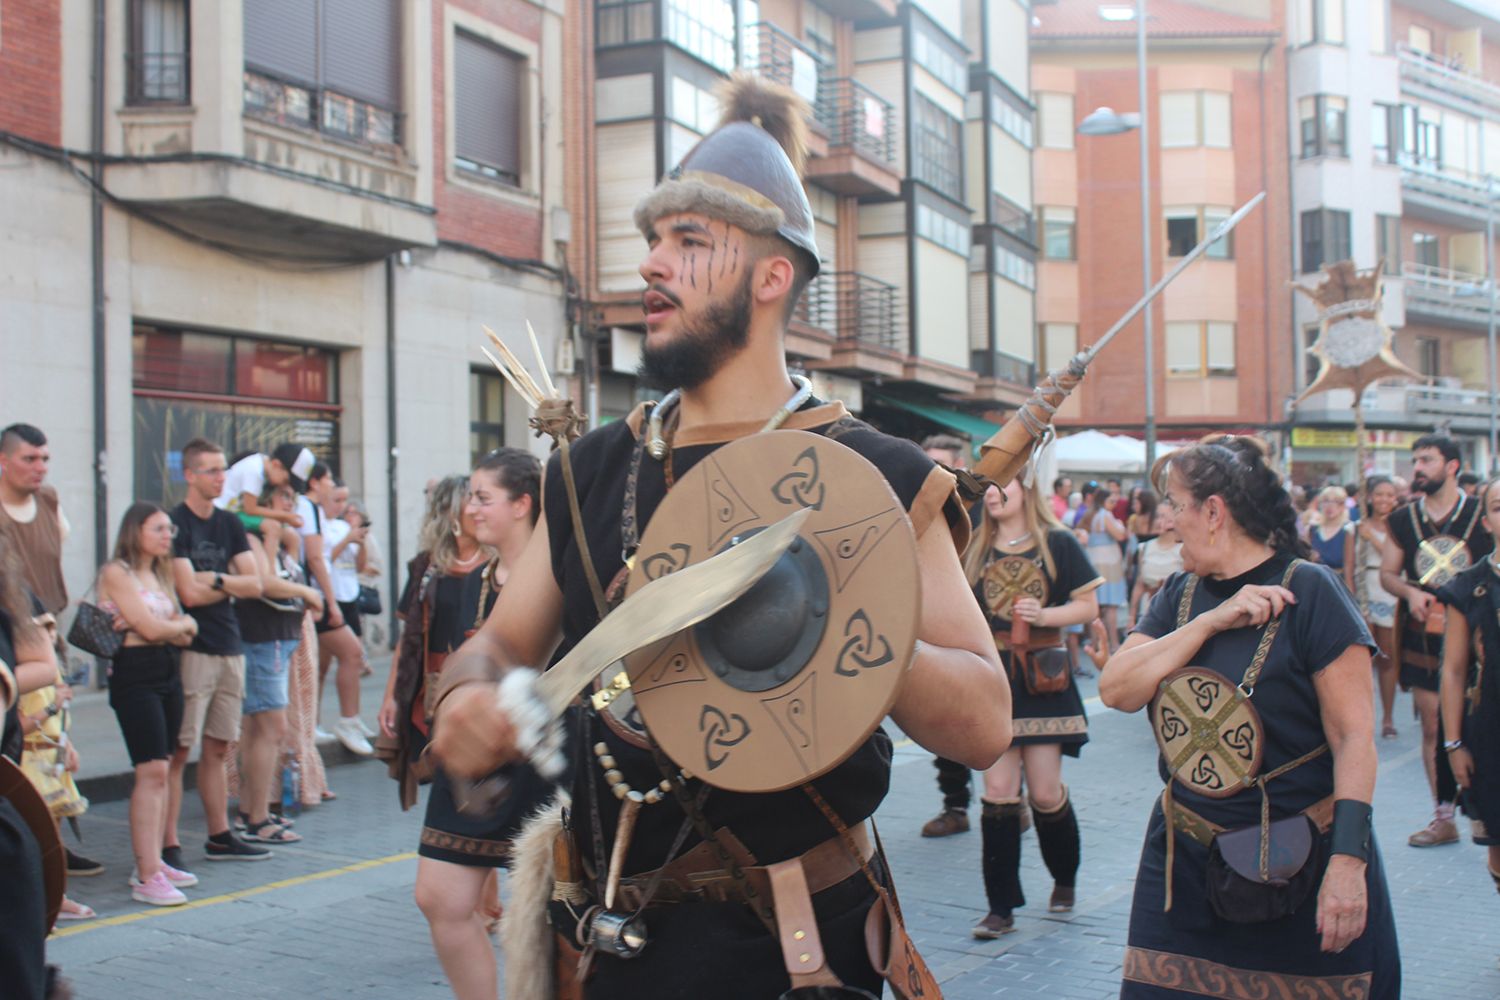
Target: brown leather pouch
{"type": "Point", "coordinates": [1241, 892]}
{"type": "Point", "coordinates": [894, 956]}
{"type": "Point", "coordinates": [1044, 670]}
{"type": "Point", "coordinates": [1437, 619]}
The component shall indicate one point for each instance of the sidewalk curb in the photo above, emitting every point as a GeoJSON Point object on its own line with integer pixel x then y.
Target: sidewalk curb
{"type": "Point", "coordinates": [114, 787]}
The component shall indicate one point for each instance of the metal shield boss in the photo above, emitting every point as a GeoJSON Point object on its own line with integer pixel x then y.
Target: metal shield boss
{"type": "Point", "coordinates": [785, 683]}
{"type": "Point", "coordinates": [1208, 732]}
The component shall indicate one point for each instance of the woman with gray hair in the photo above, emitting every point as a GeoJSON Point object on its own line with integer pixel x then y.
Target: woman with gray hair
{"type": "Point", "coordinates": [1260, 873]}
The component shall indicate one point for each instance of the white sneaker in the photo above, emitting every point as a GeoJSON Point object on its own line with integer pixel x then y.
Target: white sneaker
{"type": "Point", "coordinates": [321, 735]}
{"type": "Point", "coordinates": [175, 877]}
{"type": "Point", "coordinates": [157, 891]}
{"type": "Point", "coordinates": [348, 733]}
{"type": "Point", "coordinates": [364, 727]}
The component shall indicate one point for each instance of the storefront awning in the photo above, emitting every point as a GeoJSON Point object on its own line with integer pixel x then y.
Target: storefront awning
{"type": "Point", "coordinates": [977, 429]}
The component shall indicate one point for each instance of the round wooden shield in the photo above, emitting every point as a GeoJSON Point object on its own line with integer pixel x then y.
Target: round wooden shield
{"type": "Point", "coordinates": [783, 684]}
{"type": "Point", "coordinates": [1010, 577]}
{"type": "Point", "coordinates": [1209, 734]}
{"type": "Point", "coordinates": [15, 786]}
{"type": "Point", "coordinates": [1441, 558]}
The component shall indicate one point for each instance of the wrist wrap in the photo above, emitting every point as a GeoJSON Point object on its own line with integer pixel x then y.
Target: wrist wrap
{"type": "Point", "coordinates": [1352, 822]}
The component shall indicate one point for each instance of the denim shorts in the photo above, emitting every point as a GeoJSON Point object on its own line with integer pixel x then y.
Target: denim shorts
{"type": "Point", "coordinates": [267, 667]}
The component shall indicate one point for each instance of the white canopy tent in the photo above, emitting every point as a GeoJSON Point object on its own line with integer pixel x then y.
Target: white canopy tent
{"type": "Point", "coordinates": [1096, 452]}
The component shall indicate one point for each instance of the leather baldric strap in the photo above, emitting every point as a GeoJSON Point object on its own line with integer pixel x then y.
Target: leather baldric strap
{"type": "Point", "coordinates": [797, 927]}
{"type": "Point", "coordinates": [1268, 636]}
{"type": "Point", "coordinates": [579, 535]}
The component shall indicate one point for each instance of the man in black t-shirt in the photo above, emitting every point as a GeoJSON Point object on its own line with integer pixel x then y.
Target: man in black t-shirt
{"type": "Point", "coordinates": [212, 563]}
{"type": "Point", "coordinates": [730, 246]}
{"type": "Point", "coordinates": [1430, 541]}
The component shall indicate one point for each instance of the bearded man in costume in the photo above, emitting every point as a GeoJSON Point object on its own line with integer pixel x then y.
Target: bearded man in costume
{"type": "Point", "coordinates": [730, 248]}
{"type": "Point", "coordinates": [1432, 539]}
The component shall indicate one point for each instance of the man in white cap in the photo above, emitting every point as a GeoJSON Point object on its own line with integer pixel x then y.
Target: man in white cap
{"type": "Point", "coordinates": [248, 479]}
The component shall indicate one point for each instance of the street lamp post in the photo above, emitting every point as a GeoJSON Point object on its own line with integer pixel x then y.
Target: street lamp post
{"type": "Point", "coordinates": [1106, 121]}
{"type": "Point", "coordinates": [1489, 280]}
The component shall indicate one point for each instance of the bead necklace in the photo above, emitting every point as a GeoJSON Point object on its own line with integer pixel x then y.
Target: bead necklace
{"type": "Point", "coordinates": [620, 787]}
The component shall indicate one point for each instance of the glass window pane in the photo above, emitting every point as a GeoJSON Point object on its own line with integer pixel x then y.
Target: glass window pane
{"type": "Point", "coordinates": [1179, 119]}
{"type": "Point", "coordinates": [1222, 248]}
{"type": "Point", "coordinates": [1059, 343]}
{"type": "Point", "coordinates": [1057, 120]}
{"type": "Point", "coordinates": [180, 362]}
{"type": "Point", "coordinates": [289, 372]}
{"type": "Point", "coordinates": [1184, 351]}
{"type": "Point", "coordinates": [1220, 338]}
{"type": "Point", "coordinates": [1182, 231]}
{"type": "Point", "coordinates": [1216, 119]}
{"type": "Point", "coordinates": [1333, 21]}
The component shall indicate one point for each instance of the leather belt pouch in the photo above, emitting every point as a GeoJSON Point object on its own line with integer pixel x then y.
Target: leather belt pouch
{"type": "Point", "coordinates": [1044, 668]}
{"type": "Point", "coordinates": [894, 956]}
{"type": "Point", "coordinates": [1240, 892]}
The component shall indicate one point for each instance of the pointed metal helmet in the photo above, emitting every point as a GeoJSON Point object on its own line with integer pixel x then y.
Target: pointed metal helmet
{"type": "Point", "coordinates": [747, 172]}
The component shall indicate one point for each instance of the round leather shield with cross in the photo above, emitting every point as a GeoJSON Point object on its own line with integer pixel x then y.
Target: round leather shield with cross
{"type": "Point", "coordinates": [1209, 734]}
{"type": "Point", "coordinates": [1010, 577]}
{"type": "Point", "coordinates": [783, 684]}
{"type": "Point", "coordinates": [1441, 558]}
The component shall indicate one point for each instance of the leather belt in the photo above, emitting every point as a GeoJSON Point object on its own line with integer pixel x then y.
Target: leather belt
{"type": "Point", "coordinates": [1195, 827]}
{"type": "Point", "coordinates": [1040, 638]}
{"type": "Point", "coordinates": [689, 880]}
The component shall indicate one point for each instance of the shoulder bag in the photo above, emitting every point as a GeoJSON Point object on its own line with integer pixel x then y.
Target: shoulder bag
{"type": "Point", "coordinates": [93, 630]}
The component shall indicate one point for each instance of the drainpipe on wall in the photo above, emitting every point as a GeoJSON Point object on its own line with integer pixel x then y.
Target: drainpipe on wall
{"type": "Point", "coordinates": [1265, 243]}
{"type": "Point", "coordinates": [392, 453]}
{"type": "Point", "coordinates": [96, 249]}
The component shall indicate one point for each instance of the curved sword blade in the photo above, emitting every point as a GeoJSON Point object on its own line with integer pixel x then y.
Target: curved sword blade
{"type": "Point", "coordinates": [664, 607]}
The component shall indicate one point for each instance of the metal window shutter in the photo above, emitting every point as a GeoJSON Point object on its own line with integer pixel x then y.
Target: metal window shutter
{"type": "Point", "coordinates": [362, 49]}
{"type": "Point", "coordinates": [487, 104]}
{"type": "Point", "coordinates": [281, 38]}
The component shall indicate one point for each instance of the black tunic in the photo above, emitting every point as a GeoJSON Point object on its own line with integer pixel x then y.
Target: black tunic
{"type": "Point", "coordinates": [1475, 594]}
{"type": "Point", "coordinates": [1421, 651]}
{"type": "Point", "coordinates": [447, 834]}
{"type": "Point", "coordinates": [23, 901]}
{"type": "Point", "coordinates": [1039, 718]}
{"type": "Point", "coordinates": [718, 950]}
{"type": "Point", "coordinates": [1171, 951]}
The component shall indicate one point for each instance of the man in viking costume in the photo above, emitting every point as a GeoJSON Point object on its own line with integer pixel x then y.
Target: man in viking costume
{"type": "Point", "coordinates": [666, 885]}
{"type": "Point", "coordinates": [1432, 539]}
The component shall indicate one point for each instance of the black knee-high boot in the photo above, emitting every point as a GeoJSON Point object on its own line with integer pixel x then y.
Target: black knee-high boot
{"type": "Point", "coordinates": [1000, 825]}
{"type": "Point", "coordinates": [1057, 835]}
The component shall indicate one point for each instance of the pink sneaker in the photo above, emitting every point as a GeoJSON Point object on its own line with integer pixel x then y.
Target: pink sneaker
{"type": "Point", "coordinates": [157, 891]}
{"type": "Point", "coordinates": [175, 877]}
{"type": "Point", "coordinates": [178, 878]}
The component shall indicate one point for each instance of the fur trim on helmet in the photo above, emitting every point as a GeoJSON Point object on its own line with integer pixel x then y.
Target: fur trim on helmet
{"type": "Point", "coordinates": [778, 109]}
{"type": "Point", "coordinates": [693, 194]}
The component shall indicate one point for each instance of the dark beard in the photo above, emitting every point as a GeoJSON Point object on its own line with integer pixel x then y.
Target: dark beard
{"type": "Point", "coordinates": [1428, 486]}
{"type": "Point", "coordinates": [700, 348]}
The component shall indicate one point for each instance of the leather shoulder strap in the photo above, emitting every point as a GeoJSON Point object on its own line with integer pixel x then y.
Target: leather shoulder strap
{"type": "Point", "coordinates": [1185, 604]}
{"type": "Point", "coordinates": [565, 457]}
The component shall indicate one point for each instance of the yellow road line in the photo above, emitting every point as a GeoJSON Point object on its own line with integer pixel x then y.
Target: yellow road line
{"type": "Point", "coordinates": [229, 897]}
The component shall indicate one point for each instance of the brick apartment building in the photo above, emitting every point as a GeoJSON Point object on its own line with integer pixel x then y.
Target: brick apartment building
{"type": "Point", "coordinates": [919, 180]}
{"type": "Point", "coordinates": [1216, 115]}
{"type": "Point", "coordinates": [309, 209]}
{"type": "Point", "coordinates": [1395, 125]}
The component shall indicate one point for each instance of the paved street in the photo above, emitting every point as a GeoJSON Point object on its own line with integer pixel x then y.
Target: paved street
{"type": "Point", "coordinates": [333, 916]}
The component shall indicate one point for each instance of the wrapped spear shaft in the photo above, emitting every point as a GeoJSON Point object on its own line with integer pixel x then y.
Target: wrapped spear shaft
{"type": "Point", "coordinates": [1008, 450]}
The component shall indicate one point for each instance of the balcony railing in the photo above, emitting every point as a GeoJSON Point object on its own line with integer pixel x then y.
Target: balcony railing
{"type": "Point", "coordinates": [856, 116]}
{"type": "Point", "coordinates": [854, 306]}
{"type": "Point", "coordinates": [1447, 78]}
{"type": "Point", "coordinates": [1444, 292]}
{"type": "Point", "coordinates": [772, 53]}
{"type": "Point", "coordinates": [1012, 218]}
{"type": "Point", "coordinates": [1431, 179]}
{"type": "Point", "coordinates": [320, 110]}
{"type": "Point", "coordinates": [156, 78]}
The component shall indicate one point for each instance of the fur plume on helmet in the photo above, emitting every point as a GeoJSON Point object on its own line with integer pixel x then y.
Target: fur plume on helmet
{"type": "Point", "coordinates": [780, 110]}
